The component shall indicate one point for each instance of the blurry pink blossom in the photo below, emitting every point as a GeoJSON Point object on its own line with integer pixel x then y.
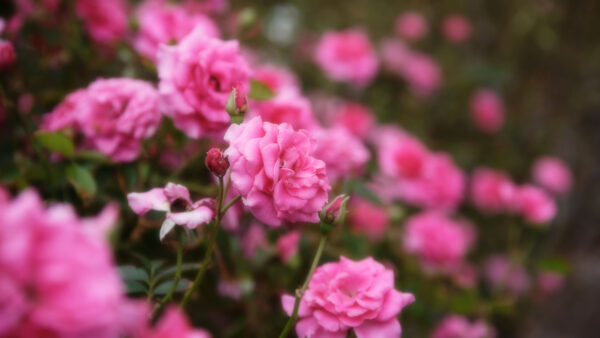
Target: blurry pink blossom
{"type": "Point", "coordinates": [456, 28]}
{"type": "Point", "coordinates": [350, 295]}
{"type": "Point", "coordinates": [487, 110]}
{"type": "Point", "coordinates": [343, 153]}
{"type": "Point", "coordinates": [550, 282]}
{"type": "Point", "coordinates": [493, 191]}
{"type": "Point", "coordinates": [287, 107]}
{"type": "Point", "coordinates": [287, 245]}
{"type": "Point", "coordinates": [368, 218]}
{"type": "Point", "coordinates": [277, 78]}
{"type": "Point", "coordinates": [231, 289]}
{"type": "Point", "coordinates": [347, 56]}
{"type": "Point", "coordinates": [553, 174]}
{"type": "Point", "coordinates": [173, 323]}
{"type": "Point", "coordinates": [411, 26]}
{"type": "Point", "coordinates": [455, 326]}
{"type": "Point", "coordinates": [535, 205]}
{"type": "Point", "coordinates": [505, 275]}
{"type": "Point", "coordinates": [8, 57]}
{"type": "Point", "coordinates": [355, 117]}
{"type": "Point", "coordinates": [252, 239]}
{"type": "Point", "coordinates": [105, 21]}
{"type": "Point", "coordinates": [465, 275]}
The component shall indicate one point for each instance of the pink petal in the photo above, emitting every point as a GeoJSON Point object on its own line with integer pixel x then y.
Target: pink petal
{"type": "Point", "coordinates": [192, 219]}
{"type": "Point", "coordinates": [142, 202]}
{"type": "Point", "coordinates": [393, 304]}
{"type": "Point", "coordinates": [374, 329]}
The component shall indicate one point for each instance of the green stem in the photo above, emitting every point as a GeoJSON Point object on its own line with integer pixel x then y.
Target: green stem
{"type": "Point", "coordinates": [209, 248]}
{"type": "Point", "coordinates": [300, 292]}
{"type": "Point", "coordinates": [169, 295]}
{"type": "Point", "coordinates": [230, 204]}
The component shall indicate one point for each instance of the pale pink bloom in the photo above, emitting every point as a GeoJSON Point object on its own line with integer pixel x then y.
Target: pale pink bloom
{"type": "Point", "coordinates": [105, 21]}
{"type": "Point", "coordinates": [493, 191]}
{"type": "Point", "coordinates": [350, 295]}
{"type": "Point", "coordinates": [549, 282]}
{"type": "Point", "coordinates": [343, 153]}
{"type": "Point", "coordinates": [505, 275]}
{"type": "Point", "coordinates": [114, 116]}
{"type": "Point", "coordinates": [455, 326]}
{"type": "Point", "coordinates": [440, 242]}
{"type": "Point", "coordinates": [368, 218]}
{"type": "Point", "coordinates": [287, 107]}
{"type": "Point", "coordinates": [553, 174]}
{"type": "Point", "coordinates": [355, 117]}
{"type": "Point", "coordinates": [253, 238]}
{"type": "Point", "coordinates": [287, 245]}
{"type": "Point", "coordinates": [347, 56]}
{"type": "Point", "coordinates": [536, 206]}
{"type": "Point", "coordinates": [487, 110]}
{"type": "Point", "coordinates": [196, 78]}
{"type": "Point", "coordinates": [163, 23]}
{"type": "Point", "coordinates": [231, 289]}
{"type": "Point", "coordinates": [277, 78]}
{"type": "Point", "coordinates": [457, 28]}
{"type": "Point", "coordinates": [175, 201]}
{"type": "Point", "coordinates": [273, 168]}
{"type": "Point", "coordinates": [411, 26]}
{"type": "Point", "coordinates": [173, 323]}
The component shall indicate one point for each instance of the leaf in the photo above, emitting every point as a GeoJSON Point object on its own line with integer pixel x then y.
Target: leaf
{"type": "Point", "coordinates": [555, 264]}
{"type": "Point", "coordinates": [92, 155]}
{"type": "Point", "coordinates": [135, 287]}
{"type": "Point", "coordinates": [82, 180]}
{"type": "Point", "coordinates": [164, 288]}
{"type": "Point", "coordinates": [171, 270]}
{"type": "Point", "coordinates": [260, 91]}
{"type": "Point", "coordinates": [133, 273]}
{"type": "Point", "coordinates": [56, 142]}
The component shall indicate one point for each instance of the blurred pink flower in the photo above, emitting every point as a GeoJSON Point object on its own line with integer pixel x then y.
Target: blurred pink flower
{"type": "Point", "coordinates": [400, 155]}
{"type": "Point", "coordinates": [231, 289]}
{"type": "Point", "coordinates": [277, 78]}
{"type": "Point", "coordinates": [253, 238]}
{"type": "Point", "coordinates": [440, 242]}
{"type": "Point", "coordinates": [343, 153]}
{"type": "Point", "coordinates": [456, 28]}
{"type": "Point", "coordinates": [465, 275]}
{"type": "Point", "coordinates": [164, 23]}
{"type": "Point", "coordinates": [454, 326]}
{"type": "Point", "coordinates": [487, 110]}
{"type": "Point", "coordinates": [196, 78]}
{"type": "Point", "coordinates": [535, 205]}
{"type": "Point", "coordinates": [287, 245]}
{"type": "Point", "coordinates": [355, 117]}
{"type": "Point", "coordinates": [105, 21]}
{"type": "Point", "coordinates": [411, 26]}
{"type": "Point", "coordinates": [550, 282]}
{"type": "Point", "coordinates": [287, 107]}
{"type": "Point", "coordinates": [347, 56]}
{"type": "Point", "coordinates": [273, 168]}
{"type": "Point", "coordinates": [350, 295]}
{"type": "Point", "coordinates": [553, 174]}
{"type": "Point", "coordinates": [8, 57]}
{"type": "Point", "coordinates": [493, 191]}
{"type": "Point", "coordinates": [368, 218]}
{"type": "Point", "coordinates": [173, 323]}
{"type": "Point", "coordinates": [504, 275]}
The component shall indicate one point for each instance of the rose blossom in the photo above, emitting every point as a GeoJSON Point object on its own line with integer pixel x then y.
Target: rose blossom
{"type": "Point", "coordinates": [549, 282]}
{"type": "Point", "coordinates": [196, 78]}
{"type": "Point", "coordinates": [273, 168]}
{"type": "Point", "coordinates": [355, 117]}
{"type": "Point", "coordinates": [114, 115]}
{"type": "Point", "coordinates": [553, 174]}
{"type": "Point", "coordinates": [347, 56]}
{"type": "Point", "coordinates": [162, 23]}
{"type": "Point", "coordinates": [343, 153]}
{"type": "Point", "coordinates": [289, 107]}
{"type": "Point", "coordinates": [493, 191]}
{"type": "Point", "coordinates": [368, 218]}
{"type": "Point", "coordinates": [173, 323]}
{"type": "Point", "coordinates": [287, 245]}
{"type": "Point", "coordinates": [411, 26]}
{"type": "Point", "coordinates": [105, 21]}
{"type": "Point", "coordinates": [7, 55]}
{"type": "Point", "coordinates": [535, 204]}
{"type": "Point", "coordinates": [350, 295]}
{"type": "Point", "coordinates": [487, 110]}
{"type": "Point", "coordinates": [253, 238]}
{"type": "Point", "coordinates": [440, 242]}
{"type": "Point", "coordinates": [456, 28]}
{"type": "Point", "coordinates": [277, 78]}
{"type": "Point", "coordinates": [502, 274]}
{"type": "Point", "coordinates": [454, 326]}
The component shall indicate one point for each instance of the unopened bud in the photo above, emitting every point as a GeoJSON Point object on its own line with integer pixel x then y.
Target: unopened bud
{"type": "Point", "coordinates": [216, 162]}
{"type": "Point", "coordinates": [334, 213]}
{"type": "Point", "coordinates": [237, 103]}
{"type": "Point", "coordinates": [7, 55]}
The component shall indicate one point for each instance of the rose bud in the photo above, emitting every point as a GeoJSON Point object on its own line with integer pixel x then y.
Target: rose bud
{"type": "Point", "coordinates": [237, 103]}
{"type": "Point", "coordinates": [334, 213]}
{"type": "Point", "coordinates": [7, 54]}
{"type": "Point", "coordinates": [216, 162]}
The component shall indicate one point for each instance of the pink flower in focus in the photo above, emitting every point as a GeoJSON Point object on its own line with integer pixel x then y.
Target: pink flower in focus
{"type": "Point", "coordinates": [347, 56]}
{"type": "Point", "coordinates": [287, 245]}
{"type": "Point", "coordinates": [440, 242]}
{"type": "Point", "coordinates": [163, 23]}
{"type": "Point", "coordinates": [216, 163]}
{"type": "Point", "coordinates": [411, 26]}
{"type": "Point", "coordinates": [350, 295]}
{"type": "Point", "coordinates": [454, 326]}
{"type": "Point", "coordinates": [493, 191]}
{"type": "Point", "coordinates": [173, 323]}
{"type": "Point", "coordinates": [456, 28]}
{"type": "Point", "coordinates": [536, 206]}
{"type": "Point", "coordinates": [287, 107]}
{"type": "Point", "coordinates": [277, 78]}
{"type": "Point", "coordinates": [355, 117]}
{"type": "Point", "coordinates": [344, 154]}
{"type": "Point", "coordinates": [8, 57]}
{"type": "Point", "coordinates": [487, 111]}
{"type": "Point", "coordinates": [368, 218]}
{"type": "Point", "coordinates": [105, 21]}
{"type": "Point", "coordinates": [502, 274]}
{"type": "Point", "coordinates": [553, 174]}
{"type": "Point", "coordinates": [196, 78]}
{"type": "Point", "coordinates": [273, 168]}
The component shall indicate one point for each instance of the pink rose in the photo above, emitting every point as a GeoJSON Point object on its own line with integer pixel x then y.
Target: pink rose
{"type": "Point", "coordinates": [536, 206]}
{"type": "Point", "coordinates": [368, 218]}
{"type": "Point", "coordinates": [173, 323]}
{"type": "Point", "coordinates": [162, 23]}
{"type": "Point", "coordinates": [277, 78]}
{"type": "Point", "coordinates": [273, 168]}
{"type": "Point", "coordinates": [355, 117]}
{"type": "Point", "coordinates": [347, 56]}
{"type": "Point", "coordinates": [487, 111]}
{"type": "Point", "coordinates": [287, 107]}
{"type": "Point", "coordinates": [411, 26]}
{"type": "Point", "coordinates": [196, 78]}
{"type": "Point", "coordinates": [456, 28]}
{"type": "Point", "coordinates": [350, 295]}
{"type": "Point", "coordinates": [502, 274]}
{"type": "Point", "coordinates": [400, 155]}
{"type": "Point", "coordinates": [454, 326]}
{"type": "Point", "coordinates": [253, 238]}
{"type": "Point", "coordinates": [287, 245]}
{"type": "Point", "coordinates": [344, 154]}
{"type": "Point", "coordinates": [553, 174]}
{"type": "Point", "coordinates": [440, 242]}
{"type": "Point", "coordinates": [105, 21]}
{"type": "Point", "coordinates": [493, 191]}
{"type": "Point", "coordinates": [549, 282]}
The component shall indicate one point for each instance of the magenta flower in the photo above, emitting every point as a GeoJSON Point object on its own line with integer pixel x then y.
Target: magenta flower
{"type": "Point", "coordinates": [368, 218]}
{"type": "Point", "coordinates": [411, 26]}
{"type": "Point", "coordinates": [553, 174]}
{"type": "Point", "coordinates": [287, 107]}
{"type": "Point", "coordinates": [355, 117]}
{"type": "Point", "coordinates": [487, 110]}
{"type": "Point", "coordinates": [343, 153]}
{"type": "Point", "coordinates": [273, 168]}
{"type": "Point", "coordinates": [196, 78]}
{"type": "Point", "coordinates": [287, 245]}
{"type": "Point", "coordinates": [504, 275]}
{"type": "Point", "coordinates": [347, 56]}
{"type": "Point", "coordinates": [105, 21]}
{"type": "Point", "coordinates": [173, 323]}
{"type": "Point", "coordinates": [493, 191]}
{"type": "Point", "coordinates": [456, 28]}
{"type": "Point", "coordinates": [536, 206]}
{"type": "Point", "coordinates": [454, 326]}
{"type": "Point", "coordinates": [8, 57]}
{"type": "Point", "coordinates": [277, 78]}
{"type": "Point", "coordinates": [350, 295]}
{"type": "Point", "coordinates": [174, 199]}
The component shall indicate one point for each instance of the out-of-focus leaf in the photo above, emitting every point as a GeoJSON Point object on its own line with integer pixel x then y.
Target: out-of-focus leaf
{"type": "Point", "coordinates": [465, 302]}
{"type": "Point", "coordinates": [260, 91]}
{"type": "Point", "coordinates": [82, 180]}
{"type": "Point", "coordinates": [56, 142]}
{"type": "Point", "coordinates": [91, 155]}
{"type": "Point", "coordinates": [163, 288]}
{"type": "Point", "coordinates": [555, 264]}
{"type": "Point", "coordinates": [133, 273]}
{"type": "Point", "coordinates": [135, 287]}
{"type": "Point", "coordinates": [171, 270]}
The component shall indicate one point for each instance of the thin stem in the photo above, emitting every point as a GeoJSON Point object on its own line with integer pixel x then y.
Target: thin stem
{"type": "Point", "coordinates": [300, 292]}
{"type": "Point", "coordinates": [209, 248]}
{"type": "Point", "coordinates": [230, 204]}
{"type": "Point", "coordinates": [169, 295]}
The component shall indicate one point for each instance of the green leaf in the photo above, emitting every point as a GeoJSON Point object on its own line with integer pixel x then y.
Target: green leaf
{"type": "Point", "coordinates": [133, 273]}
{"type": "Point", "coordinates": [82, 180]}
{"type": "Point", "coordinates": [555, 264]}
{"type": "Point", "coordinates": [135, 287]}
{"type": "Point", "coordinates": [92, 155]}
{"type": "Point", "coordinates": [164, 288]}
{"type": "Point", "coordinates": [56, 142]}
{"type": "Point", "coordinates": [171, 271]}
{"type": "Point", "coordinates": [260, 91]}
